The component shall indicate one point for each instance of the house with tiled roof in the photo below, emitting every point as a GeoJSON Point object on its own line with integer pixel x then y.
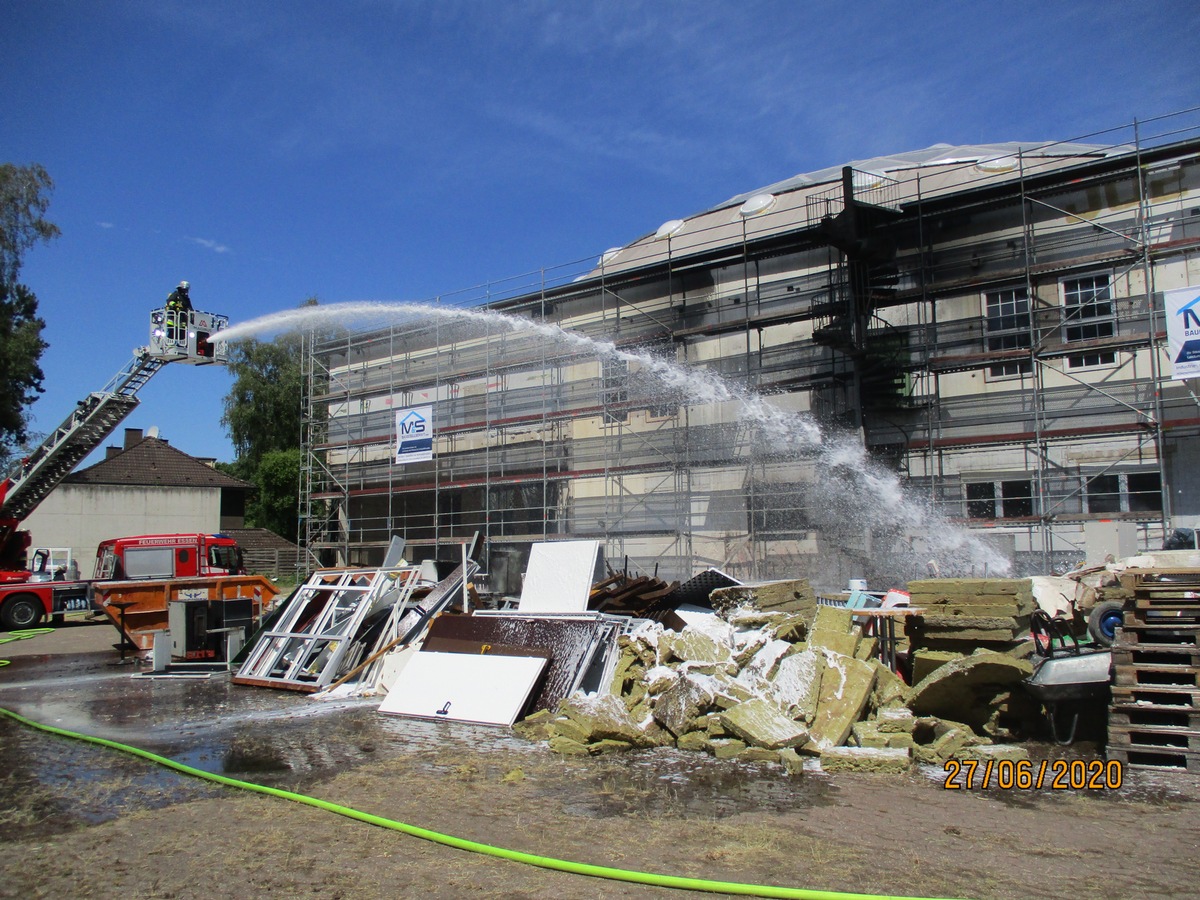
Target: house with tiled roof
{"type": "Point", "coordinates": [145, 486]}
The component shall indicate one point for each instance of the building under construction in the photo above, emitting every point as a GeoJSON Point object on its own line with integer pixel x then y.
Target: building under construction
{"type": "Point", "coordinates": [991, 323]}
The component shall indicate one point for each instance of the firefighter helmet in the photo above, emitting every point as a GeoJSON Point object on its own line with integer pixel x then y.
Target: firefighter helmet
{"type": "Point", "coordinates": [183, 285]}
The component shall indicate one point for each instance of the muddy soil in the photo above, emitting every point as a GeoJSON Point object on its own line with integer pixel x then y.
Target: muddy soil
{"type": "Point", "coordinates": [81, 820]}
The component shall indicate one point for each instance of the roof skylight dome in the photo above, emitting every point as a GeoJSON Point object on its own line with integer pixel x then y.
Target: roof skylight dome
{"type": "Point", "coordinates": [608, 256]}
{"type": "Point", "coordinates": [759, 203]}
{"type": "Point", "coordinates": [997, 164]}
{"type": "Point", "coordinates": [668, 229]}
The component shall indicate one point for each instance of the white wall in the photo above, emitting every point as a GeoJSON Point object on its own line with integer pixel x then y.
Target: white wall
{"type": "Point", "coordinates": [79, 516]}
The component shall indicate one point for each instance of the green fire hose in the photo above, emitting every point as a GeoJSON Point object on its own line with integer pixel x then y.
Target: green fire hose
{"type": "Point", "coordinates": [21, 635]}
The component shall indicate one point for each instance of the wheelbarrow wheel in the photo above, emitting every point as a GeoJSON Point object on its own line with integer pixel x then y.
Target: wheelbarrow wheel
{"type": "Point", "coordinates": [1104, 620]}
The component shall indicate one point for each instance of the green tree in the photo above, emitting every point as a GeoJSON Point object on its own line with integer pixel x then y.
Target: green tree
{"type": "Point", "coordinates": [278, 481]}
{"type": "Point", "coordinates": [24, 198]}
{"type": "Point", "coordinates": [263, 413]}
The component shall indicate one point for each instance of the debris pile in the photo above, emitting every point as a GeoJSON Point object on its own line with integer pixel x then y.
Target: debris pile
{"type": "Point", "coordinates": [776, 685]}
{"type": "Point", "coordinates": [970, 649]}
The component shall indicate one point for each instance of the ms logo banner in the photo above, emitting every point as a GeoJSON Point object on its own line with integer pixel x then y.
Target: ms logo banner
{"type": "Point", "coordinates": [1183, 331]}
{"type": "Point", "coordinates": [414, 435]}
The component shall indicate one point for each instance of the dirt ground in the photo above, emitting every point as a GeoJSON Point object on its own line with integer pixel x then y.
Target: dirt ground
{"type": "Point", "coordinates": [81, 820]}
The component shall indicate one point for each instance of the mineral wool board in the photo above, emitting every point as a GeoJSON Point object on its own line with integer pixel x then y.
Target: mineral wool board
{"type": "Point", "coordinates": [559, 577]}
{"type": "Point", "coordinates": [461, 687]}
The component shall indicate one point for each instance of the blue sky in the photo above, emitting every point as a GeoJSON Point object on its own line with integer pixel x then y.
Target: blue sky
{"type": "Point", "coordinates": [371, 150]}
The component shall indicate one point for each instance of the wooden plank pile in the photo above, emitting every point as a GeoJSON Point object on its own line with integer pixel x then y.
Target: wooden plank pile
{"type": "Point", "coordinates": [640, 596]}
{"type": "Point", "coordinates": [1154, 719]}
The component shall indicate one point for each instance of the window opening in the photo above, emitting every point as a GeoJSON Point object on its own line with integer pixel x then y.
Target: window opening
{"type": "Point", "coordinates": [1008, 329]}
{"type": "Point", "coordinates": [1104, 494]}
{"type": "Point", "coordinates": [1088, 315]}
{"type": "Point", "coordinates": [1017, 499]}
{"type": "Point", "coordinates": [981, 500]}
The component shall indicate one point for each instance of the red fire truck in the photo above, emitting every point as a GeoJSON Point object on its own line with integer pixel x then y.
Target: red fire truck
{"type": "Point", "coordinates": [149, 557]}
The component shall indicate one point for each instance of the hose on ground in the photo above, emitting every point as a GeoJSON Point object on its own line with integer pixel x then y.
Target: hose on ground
{"type": "Point", "coordinates": [21, 634]}
{"type": "Point", "coordinates": [545, 862]}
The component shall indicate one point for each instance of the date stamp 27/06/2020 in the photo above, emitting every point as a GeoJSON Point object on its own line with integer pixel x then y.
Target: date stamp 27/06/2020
{"type": "Point", "coordinates": [1026, 775]}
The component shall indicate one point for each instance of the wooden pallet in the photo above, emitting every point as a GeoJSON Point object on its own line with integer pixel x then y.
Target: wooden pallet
{"type": "Point", "coordinates": [1183, 676]}
{"type": "Point", "coordinates": [1165, 655]}
{"type": "Point", "coordinates": [1147, 715]}
{"type": "Point", "coordinates": [1156, 695]}
{"type": "Point", "coordinates": [1134, 635]}
{"type": "Point", "coordinates": [1162, 582]}
{"type": "Point", "coordinates": [1162, 596]}
{"type": "Point", "coordinates": [1158, 759]}
{"type": "Point", "coordinates": [1154, 719]}
{"type": "Point", "coordinates": [1163, 615]}
{"type": "Point", "coordinates": [1151, 739]}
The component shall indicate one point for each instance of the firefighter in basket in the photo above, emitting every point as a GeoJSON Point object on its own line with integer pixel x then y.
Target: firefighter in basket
{"type": "Point", "coordinates": [178, 300]}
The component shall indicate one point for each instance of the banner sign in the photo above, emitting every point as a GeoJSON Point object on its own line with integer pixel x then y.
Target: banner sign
{"type": "Point", "coordinates": [414, 435]}
{"type": "Point", "coordinates": [1183, 331]}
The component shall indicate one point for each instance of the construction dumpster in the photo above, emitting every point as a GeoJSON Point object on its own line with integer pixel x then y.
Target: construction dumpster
{"type": "Point", "coordinates": [140, 609]}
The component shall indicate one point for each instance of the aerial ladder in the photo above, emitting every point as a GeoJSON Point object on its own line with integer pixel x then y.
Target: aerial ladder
{"type": "Point", "coordinates": [186, 336]}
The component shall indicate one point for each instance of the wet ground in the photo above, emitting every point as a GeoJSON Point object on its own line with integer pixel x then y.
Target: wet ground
{"type": "Point", "coordinates": [662, 810]}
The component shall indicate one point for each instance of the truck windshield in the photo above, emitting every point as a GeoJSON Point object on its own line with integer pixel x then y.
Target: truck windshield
{"type": "Point", "coordinates": [227, 558]}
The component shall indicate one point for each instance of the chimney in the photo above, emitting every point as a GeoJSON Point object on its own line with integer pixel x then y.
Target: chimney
{"type": "Point", "coordinates": [111, 451]}
{"type": "Point", "coordinates": [132, 436]}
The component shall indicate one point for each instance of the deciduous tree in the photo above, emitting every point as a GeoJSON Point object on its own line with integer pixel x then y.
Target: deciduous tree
{"type": "Point", "coordinates": [24, 198]}
{"type": "Point", "coordinates": [264, 414]}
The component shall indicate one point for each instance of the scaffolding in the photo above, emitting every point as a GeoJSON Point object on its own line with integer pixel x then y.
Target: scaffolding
{"type": "Point", "coordinates": [991, 326]}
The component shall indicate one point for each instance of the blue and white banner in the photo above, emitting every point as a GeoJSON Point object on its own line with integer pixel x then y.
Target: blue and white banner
{"type": "Point", "coordinates": [1183, 331]}
{"type": "Point", "coordinates": [414, 435]}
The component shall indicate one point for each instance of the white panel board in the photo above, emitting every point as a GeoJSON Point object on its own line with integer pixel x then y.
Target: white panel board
{"type": "Point", "coordinates": [560, 577]}
{"type": "Point", "coordinates": [695, 615]}
{"type": "Point", "coordinates": [463, 687]}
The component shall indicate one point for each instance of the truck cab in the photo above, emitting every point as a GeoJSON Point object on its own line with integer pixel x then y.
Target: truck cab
{"type": "Point", "coordinates": [155, 556]}
{"type": "Point", "coordinates": [52, 564]}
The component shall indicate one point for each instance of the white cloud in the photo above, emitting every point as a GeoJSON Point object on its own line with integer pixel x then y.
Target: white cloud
{"type": "Point", "coordinates": [211, 245]}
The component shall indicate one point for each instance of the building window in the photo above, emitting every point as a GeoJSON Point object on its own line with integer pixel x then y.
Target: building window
{"type": "Point", "coordinates": [1134, 492]}
{"type": "Point", "coordinates": [1088, 315]}
{"type": "Point", "coordinates": [981, 500]}
{"type": "Point", "coordinates": [1104, 494]}
{"type": "Point", "coordinates": [1016, 499]}
{"type": "Point", "coordinates": [614, 393]}
{"type": "Point", "coordinates": [1144, 490]}
{"type": "Point", "coordinates": [1007, 328]}
{"type": "Point", "coordinates": [1000, 499]}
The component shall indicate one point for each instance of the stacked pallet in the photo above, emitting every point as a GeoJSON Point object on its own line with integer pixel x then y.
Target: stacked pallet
{"type": "Point", "coordinates": [1154, 720]}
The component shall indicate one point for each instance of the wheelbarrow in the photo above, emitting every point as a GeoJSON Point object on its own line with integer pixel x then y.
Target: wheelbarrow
{"type": "Point", "coordinates": [1066, 675]}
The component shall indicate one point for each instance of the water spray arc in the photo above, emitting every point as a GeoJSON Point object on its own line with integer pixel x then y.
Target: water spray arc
{"type": "Point", "coordinates": [852, 491]}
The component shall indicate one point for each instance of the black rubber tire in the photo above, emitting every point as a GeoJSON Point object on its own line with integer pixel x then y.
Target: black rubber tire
{"type": "Point", "coordinates": [1101, 620]}
{"type": "Point", "coordinates": [21, 611]}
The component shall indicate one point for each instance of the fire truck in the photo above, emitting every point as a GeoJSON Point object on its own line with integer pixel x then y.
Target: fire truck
{"type": "Point", "coordinates": [186, 336]}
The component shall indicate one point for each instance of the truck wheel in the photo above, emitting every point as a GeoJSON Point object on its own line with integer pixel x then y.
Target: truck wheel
{"type": "Point", "coordinates": [1104, 620]}
{"type": "Point", "coordinates": [21, 611]}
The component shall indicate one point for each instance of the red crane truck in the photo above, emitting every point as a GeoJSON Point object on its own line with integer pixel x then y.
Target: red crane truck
{"type": "Point", "coordinates": [26, 595]}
